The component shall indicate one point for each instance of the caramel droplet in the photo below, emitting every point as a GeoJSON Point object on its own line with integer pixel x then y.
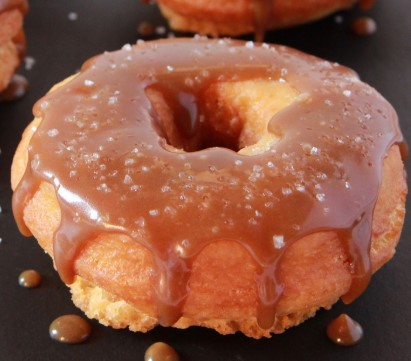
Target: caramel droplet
{"type": "Point", "coordinates": [160, 351]}
{"type": "Point", "coordinates": [145, 29]}
{"type": "Point", "coordinates": [30, 279]}
{"type": "Point", "coordinates": [70, 329]}
{"type": "Point", "coordinates": [344, 331]}
{"type": "Point", "coordinates": [364, 26]}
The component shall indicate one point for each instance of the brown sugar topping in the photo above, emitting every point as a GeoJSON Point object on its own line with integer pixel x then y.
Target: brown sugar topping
{"type": "Point", "coordinates": [115, 168]}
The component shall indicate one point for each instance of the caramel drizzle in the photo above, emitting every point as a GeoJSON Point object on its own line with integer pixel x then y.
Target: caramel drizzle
{"type": "Point", "coordinates": [263, 12]}
{"type": "Point", "coordinates": [103, 147]}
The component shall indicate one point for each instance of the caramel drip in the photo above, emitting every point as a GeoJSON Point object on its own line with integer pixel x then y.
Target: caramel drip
{"type": "Point", "coordinates": [104, 148]}
{"type": "Point", "coordinates": [263, 11]}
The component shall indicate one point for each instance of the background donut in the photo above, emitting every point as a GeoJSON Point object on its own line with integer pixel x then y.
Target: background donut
{"type": "Point", "coordinates": [237, 17]}
{"type": "Point", "coordinates": [12, 47]}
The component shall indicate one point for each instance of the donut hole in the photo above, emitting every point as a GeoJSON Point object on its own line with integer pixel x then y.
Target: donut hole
{"type": "Point", "coordinates": [233, 115]}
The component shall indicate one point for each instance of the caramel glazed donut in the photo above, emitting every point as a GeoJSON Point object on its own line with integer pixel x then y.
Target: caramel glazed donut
{"type": "Point", "coordinates": [211, 182]}
{"type": "Point", "coordinates": [236, 17]}
{"type": "Point", "coordinates": [12, 38]}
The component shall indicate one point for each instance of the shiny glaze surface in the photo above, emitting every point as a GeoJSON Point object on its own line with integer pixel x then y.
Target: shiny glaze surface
{"type": "Point", "coordinates": [103, 147]}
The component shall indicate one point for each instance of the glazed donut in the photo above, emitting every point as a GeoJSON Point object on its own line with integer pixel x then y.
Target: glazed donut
{"type": "Point", "coordinates": [211, 182]}
{"type": "Point", "coordinates": [12, 38]}
{"type": "Point", "coordinates": [237, 17]}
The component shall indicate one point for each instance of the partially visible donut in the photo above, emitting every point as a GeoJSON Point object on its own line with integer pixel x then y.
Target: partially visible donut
{"type": "Point", "coordinates": [211, 182]}
{"type": "Point", "coordinates": [237, 17]}
{"type": "Point", "coordinates": [12, 38]}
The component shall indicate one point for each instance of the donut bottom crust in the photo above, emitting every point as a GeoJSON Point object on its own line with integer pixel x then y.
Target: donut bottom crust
{"type": "Point", "coordinates": [235, 17]}
{"type": "Point", "coordinates": [115, 274]}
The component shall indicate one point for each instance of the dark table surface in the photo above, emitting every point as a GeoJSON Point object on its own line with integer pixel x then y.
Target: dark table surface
{"type": "Point", "coordinates": [59, 46]}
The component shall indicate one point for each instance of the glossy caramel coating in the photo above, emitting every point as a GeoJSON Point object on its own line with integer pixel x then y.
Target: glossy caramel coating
{"type": "Point", "coordinates": [225, 280]}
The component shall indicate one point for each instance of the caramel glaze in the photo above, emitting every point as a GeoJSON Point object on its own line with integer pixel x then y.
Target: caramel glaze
{"type": "Point", "coordinates": [104, 148]}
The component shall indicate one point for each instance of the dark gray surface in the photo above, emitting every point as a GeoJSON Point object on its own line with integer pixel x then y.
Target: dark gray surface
{"type": "Point", "coordinates": [59, 47]}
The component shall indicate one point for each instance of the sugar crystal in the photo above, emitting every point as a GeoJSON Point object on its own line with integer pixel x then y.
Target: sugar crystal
{"type": "Point", "coordinates": [278, 241]}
